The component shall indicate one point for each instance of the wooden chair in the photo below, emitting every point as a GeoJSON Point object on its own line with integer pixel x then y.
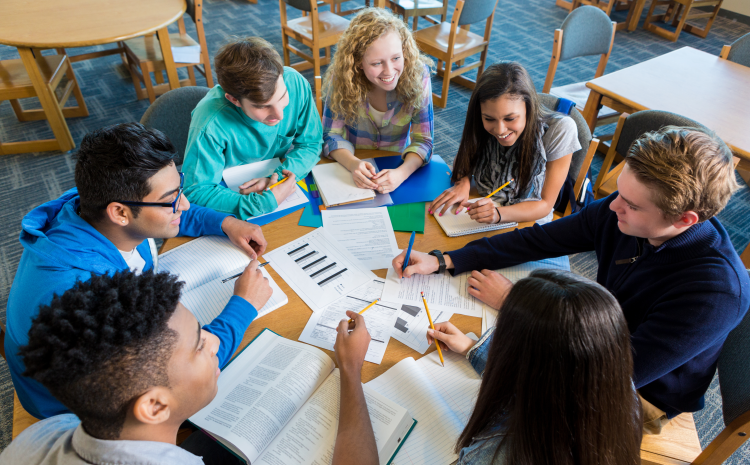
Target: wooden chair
{"type": "Point", "coordinates": [319, 30]}
{"type": "Point", "coordinates": [738, 52]}
{"type": "Point", "coordinates": [453, 42]}
{"type": "Point", "coordinates": [607, 7]}
{"type": "Point", "coordinates": [679, 11]}
{"type": "Point", "coordinates": [16, 84]}
{"type": "Point", "coordinates": [420, 9]}
{"type": "Point", "coordinates": [629, 128]}
{"type": "Point", "coordinates": [586, 31]}
{"type": "Point", "coordinates": [144, 56]}
{"type": "Point", "coordinates": [581, 162]}
{"type": "Point", "coordinates": [677, 443]}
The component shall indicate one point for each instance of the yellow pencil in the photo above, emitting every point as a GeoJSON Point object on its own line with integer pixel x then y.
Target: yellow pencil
{"type": "Point", "coordinates": [274, 185]}
{"type": "Point", "coordinates": [495, 191]}
{"type": "Point", "coordinates": [363, 310]}
{"type": "Point", "coordinates": [432, 326]}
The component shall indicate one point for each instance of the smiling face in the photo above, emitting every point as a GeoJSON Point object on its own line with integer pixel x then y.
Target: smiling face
{"type": "Point", "coordinates": [269, 113]}
{"type": "Point", "coordinates": [159, 222]}
{"type": "Point", "coordinates": [505, 118]}
{"type": "Point", "coordinates": [194, 366]}
{"type": "Point", "coordinates": [383, 61]}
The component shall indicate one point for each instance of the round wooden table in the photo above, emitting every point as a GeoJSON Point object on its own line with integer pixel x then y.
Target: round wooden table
{"type": "Point", "coordinates": [32, 26]}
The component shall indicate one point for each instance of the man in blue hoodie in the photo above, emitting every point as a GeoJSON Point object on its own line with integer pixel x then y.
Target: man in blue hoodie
{"type": "Point", "coordinates": [128, 192]}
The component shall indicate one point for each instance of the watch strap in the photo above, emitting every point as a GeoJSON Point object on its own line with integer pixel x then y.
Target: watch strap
{"type": "Point", "coordinates": [441, 260]}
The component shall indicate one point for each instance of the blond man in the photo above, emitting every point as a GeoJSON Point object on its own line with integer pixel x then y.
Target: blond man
{"type": "Point", "coordinates": [661, 252]}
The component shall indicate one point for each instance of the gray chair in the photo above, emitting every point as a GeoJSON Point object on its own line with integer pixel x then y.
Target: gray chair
{"type": "Point", "coordinates": [453, 42]}
{"type": "Point", "coordinates": [586, 31]}
{"type": "Point", "coordinates": [171, 114]}
{"type": "Point", "coordinates": [739, 51]}
{"type": "Point", "coordinates": [581, 161]}
{"type": "Point", "coordinates": [629, 128]}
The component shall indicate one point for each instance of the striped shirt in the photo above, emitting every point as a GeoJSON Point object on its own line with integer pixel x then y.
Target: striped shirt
{"type": "Point", "coordinates": [404, 129]}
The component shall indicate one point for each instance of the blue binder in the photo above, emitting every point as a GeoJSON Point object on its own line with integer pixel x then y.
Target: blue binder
{"type": "Point", "coordinates": [424, 185]}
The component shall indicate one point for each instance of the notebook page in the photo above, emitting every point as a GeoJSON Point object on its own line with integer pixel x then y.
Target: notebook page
{"type": "Point", "coordinates": [336, 185]}
{"type": "Point", "coordinates": [202, 260]}
{"type": "Point", "coordinates": [207, 301]}
{"type": "Point", "coordinates": [235, 176]}
{"type": "Point", "coordinates": [462, 223]}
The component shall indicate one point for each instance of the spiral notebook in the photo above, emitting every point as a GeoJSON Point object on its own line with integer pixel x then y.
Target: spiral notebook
{"type": "Point", "coordinates": [461, 224]}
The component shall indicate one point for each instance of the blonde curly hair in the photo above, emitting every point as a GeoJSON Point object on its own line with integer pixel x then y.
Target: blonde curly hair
{"type": "Point", "coordinates": [350, 92]}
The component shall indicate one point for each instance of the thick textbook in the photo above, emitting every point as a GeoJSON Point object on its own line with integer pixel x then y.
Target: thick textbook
{"type": "Point", "coordinates": [278, 403]}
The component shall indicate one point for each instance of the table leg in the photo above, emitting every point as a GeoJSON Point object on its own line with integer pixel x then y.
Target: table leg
{"type": "Point", "coordinates": [166, 53]}
{"type": "Point", "coordinates": [48, 99]}
{"type": "Point", "coordinates": [634, 15]}
{"type": "Point", "coordinates": [591, 110]}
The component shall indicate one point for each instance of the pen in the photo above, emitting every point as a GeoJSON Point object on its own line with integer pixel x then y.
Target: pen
{"type": "Point", "coordinates": [432, 326]}
{"type": "Point", "coordinates": [363, 310]}
{"type": "Point", "coordinates": [408, 251]}
{"type": "Point", "coordinates": [240, 274]}
{"type": "Point", "coordinates": [276, 184]}
{"type": "Point", "coordinates": [495, 191]}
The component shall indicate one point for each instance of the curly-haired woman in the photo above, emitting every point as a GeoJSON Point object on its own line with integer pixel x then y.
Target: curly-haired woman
{"type": "Point", "coordinates": [378, 95]}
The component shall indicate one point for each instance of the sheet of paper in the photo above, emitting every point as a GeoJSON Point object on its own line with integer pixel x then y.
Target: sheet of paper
{"type": "Point", "coordinates": [411, 325]}
{"type": "Point", "coordinates": [320, 330]}
{"type": "Point", "coordinates": [336, 185]}
{"type": "Point", "coordinates": [202, 260]}
{"type": "Point", "coordinates": [441, 399]}
{"type": "Point", "coordinates": [442, 292]}
{"type": "Point", "coordinates": [318, 268]}
{"type": "Point", "coordinates": [187, 54]}
{"type": "Point", "coordinates": [235, 176]}
{"type": "Point", "coordinates": [408, 217]}
{"type": "Point", "coordinates": [365, 233]}
{"type": "Point", "coordinates": [207, 301]}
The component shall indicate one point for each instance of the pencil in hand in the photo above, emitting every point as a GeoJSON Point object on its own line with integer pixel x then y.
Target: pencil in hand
{"type": "Point", "coordinates": [432, 326]}
{"type": "Point", "coordinates": [240, 274]}
{"type": "Point", "coordinates": [275, 184]}
{"type": "Point", "coordinates": [363, 310]}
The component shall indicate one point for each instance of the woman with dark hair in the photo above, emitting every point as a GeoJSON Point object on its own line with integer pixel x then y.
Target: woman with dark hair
{"type": "Point", "coordinates": [508, 135]}
{"type": "Point", "coordinates": [556, 378]}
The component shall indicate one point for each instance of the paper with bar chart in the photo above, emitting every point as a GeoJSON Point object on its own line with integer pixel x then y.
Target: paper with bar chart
{"type": "Point", "coordinates": [318, 268]}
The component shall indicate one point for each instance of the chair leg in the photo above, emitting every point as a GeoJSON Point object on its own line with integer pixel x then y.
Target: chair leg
{"type": "Point", "coordinates": [415, 26]}
{"type": "Point", "coordinates": [147, 82]}
{"type": "Point", "coordinates": [191, 75]}
{"type": "Point", "coordinates": [681, 23]}
{"type": "Point", "coordinates": [442, 101]}
{"type": "Point", "coordinates": [316, 67]}
{"type": "Point", "coordinates": [82, 109]}
{"type": "Point", "coordinates": [285, 48]}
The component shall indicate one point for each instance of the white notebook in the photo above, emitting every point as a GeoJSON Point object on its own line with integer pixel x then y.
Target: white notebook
{"type": "Point", "coordinates": [336, 185]}
{"type": "Point", "coordinates": [461, 224]}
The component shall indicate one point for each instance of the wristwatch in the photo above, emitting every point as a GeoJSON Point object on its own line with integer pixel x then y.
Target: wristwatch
{"type": "Point", "coordinates": [441, 261]}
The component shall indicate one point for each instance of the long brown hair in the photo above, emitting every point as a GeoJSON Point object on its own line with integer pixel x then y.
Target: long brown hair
{"type": "Point", "coordinates": [559, 370]}
{"type": "Point", "coordinates": [504, 78]}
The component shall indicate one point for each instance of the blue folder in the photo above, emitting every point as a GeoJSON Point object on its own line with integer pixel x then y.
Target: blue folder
{"type": "Point", "coordinates": [424, 185]}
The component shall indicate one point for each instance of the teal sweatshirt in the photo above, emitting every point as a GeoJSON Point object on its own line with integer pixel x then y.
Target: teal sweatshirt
{"type": "Point", "coordinates": [222, 136]}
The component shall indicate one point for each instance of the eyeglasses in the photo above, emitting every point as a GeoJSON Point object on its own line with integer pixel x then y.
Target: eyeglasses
{"type": "Point", "coordinates": [175, 204]}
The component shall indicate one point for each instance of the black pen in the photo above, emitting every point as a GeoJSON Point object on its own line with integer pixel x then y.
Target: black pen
{"type": "Point", "coordinates": [240, 274]}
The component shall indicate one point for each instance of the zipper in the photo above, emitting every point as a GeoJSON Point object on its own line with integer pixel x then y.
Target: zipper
{"type": "Point", "coordinates": [627, 261]}
{"type": "Point", "coordinates": [616, 286]}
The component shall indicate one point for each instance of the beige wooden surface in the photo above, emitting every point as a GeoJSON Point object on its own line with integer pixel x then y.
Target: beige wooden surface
{"type": "Point", "coordinates": [290, 319]}
{"type": "Point", "coordinates": [677, 444]}
{"type": "Point", "coordinates": [688, 82]}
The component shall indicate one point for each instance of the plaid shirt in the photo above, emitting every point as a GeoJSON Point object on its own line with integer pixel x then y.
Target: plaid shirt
{"type": "Point", "coordinates": [399, 122]}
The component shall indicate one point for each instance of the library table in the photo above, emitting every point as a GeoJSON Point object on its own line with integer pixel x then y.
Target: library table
{"type": "Point", "coordinates": [32, 26]}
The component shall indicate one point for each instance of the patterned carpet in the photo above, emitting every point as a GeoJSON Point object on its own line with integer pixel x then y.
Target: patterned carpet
{"type": "Point", "coordinates": [522, 31]}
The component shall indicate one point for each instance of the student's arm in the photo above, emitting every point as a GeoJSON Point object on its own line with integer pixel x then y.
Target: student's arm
{"type": "Point", "coordinates": [355, 441]}
{"type": "Point", "coordinates": [484, 211]}
{"type": "Point", "coordinates": [199, 221]}
{"type": "Point", "coordinates": [422, 124]}
{"type": "Point", "coordinates": [204, 168]}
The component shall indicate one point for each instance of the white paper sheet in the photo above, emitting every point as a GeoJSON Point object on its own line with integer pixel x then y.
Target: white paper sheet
{"type": "Point", "coordinates": [187, 54]}
{"type": "Point", "coordinates": [318, 268]}
{"type": "Point", "coordinates": [321, 331]}
{"type": "Point", "coordinates": [442, 292]}
{"type": "Point", "coordinates": [366, 233]}
{"type": "Point", "coordinates": [336, 185]}
{"type": "Point", "coordinates": [411, 325]}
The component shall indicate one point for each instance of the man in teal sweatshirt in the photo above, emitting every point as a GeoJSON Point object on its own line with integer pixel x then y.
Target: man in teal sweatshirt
{"type": "Point", "coordinates": [260, 110]}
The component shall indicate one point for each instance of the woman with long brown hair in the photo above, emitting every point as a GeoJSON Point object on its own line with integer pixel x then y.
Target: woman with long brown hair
{"type": "Point", "coordinates": [509, 135]}
{"type": "Point", "coordinates": [556, 378]}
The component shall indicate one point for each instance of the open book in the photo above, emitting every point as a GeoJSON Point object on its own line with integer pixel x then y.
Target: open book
{"type": "Point", "coordinates": [278, 403]}
{"type": "Point", "coordinates": [337, 187]}
{"type": "Point", "coordinates": [202, 264]}
{"type": "Point", "coordinates": [462, 224]}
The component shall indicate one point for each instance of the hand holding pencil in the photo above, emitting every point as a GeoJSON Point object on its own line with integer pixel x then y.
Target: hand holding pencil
{"type": "Point", "coordinates": [432, 326]}
{"type": "Point", "coordinates": [483, 210]}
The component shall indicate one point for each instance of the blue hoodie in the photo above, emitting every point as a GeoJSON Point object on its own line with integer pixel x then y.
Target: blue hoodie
{"type": "Point", "coordinates": [61, 248]}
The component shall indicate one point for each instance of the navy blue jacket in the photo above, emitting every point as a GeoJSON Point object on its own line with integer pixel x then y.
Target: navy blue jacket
{"type": "Point", "coordinates": [680, 299]}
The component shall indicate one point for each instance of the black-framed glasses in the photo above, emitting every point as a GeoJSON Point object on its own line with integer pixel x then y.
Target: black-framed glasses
{"type": "Point", "coordinates": [175, 204]}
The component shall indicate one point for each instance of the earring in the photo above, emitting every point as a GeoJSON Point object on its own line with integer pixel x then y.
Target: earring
{"type": "Point", "coordinates": [123, 221]}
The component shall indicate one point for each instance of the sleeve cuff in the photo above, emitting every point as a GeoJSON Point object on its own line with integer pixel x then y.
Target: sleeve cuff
{"type": "Point", "coordinates": [335, 144]}
{"type": "Point", "coordinates": [462, 260]}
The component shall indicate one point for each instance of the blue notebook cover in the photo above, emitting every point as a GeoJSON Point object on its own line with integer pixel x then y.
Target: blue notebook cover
{"type": "Point", "coordinates": [424, 185]}
{"type": "Point", "coordinates": [280, 214]}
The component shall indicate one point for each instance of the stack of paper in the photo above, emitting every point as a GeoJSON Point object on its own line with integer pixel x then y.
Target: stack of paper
{"type": "Point", "coordinates": [336, 185]}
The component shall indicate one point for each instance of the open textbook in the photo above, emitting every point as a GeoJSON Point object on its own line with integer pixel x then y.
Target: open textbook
{"type": "Point", "coordinates": [441, 398]}
{"type": "Point", "coordinates": [337, 187]}
{"type": "Point", "coordinates": [278, 404]}
{"type": "Point", "coordinates": [202, 264]}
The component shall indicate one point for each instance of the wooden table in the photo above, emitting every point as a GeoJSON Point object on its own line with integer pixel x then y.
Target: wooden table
{"type": "Point", "coordinates": [290, 320]}
{"type": "Point", "coordinates": [32, 26]}
{"type": "Point", "coordinates": [689, 82]}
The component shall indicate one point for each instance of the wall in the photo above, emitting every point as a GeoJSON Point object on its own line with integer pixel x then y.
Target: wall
{"type": "Point", "coordinates": [737, 6]}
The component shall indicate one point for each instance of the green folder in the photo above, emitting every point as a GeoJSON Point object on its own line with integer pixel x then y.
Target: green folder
{"type": "Point", "coordinates": [407, 217]}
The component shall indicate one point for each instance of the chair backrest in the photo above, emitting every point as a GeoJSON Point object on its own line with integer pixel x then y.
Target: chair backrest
{"type": "Point", "coordinates": [191, 9]}
{"type": "Point", "coordinates": [645, 121]}
{"type": "Point", "coordinates": [170, 114]}
{"type": "Point", "coordinates": [476, 10]}
{"type": "Point", "coordinates": [734, 372]}
{"type": "Point", "coordinates": [587, 30]}
{"type": "Point", "coordinates": [303, 5]}
{"type": "Point", "coordinates": [740, 52]}
{"type": "Point", "coordinates": [584, 134]}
